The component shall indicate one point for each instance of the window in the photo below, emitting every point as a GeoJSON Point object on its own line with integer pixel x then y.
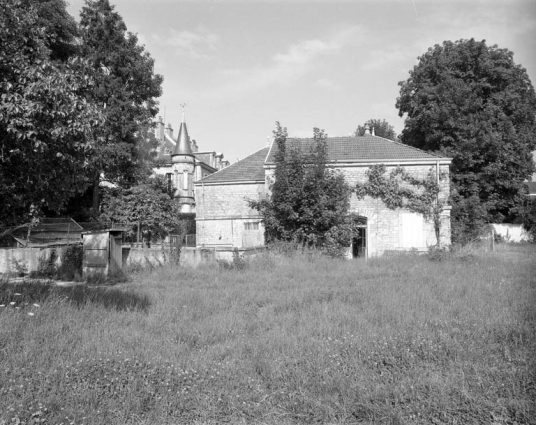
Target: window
{"type": "Point", "coordinates": [251, 226]}
{"type": "Point", "coordinates": [169, 184]}
{"type": "Point", "coordinates": [185, 180]}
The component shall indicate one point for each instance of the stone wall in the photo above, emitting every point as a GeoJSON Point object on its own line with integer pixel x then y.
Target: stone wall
{"type": "Point", "coordinates": [224, 217]}
{"type": "Point", "coordinates": [396, 229]}
{"type": "Point", "coordinates": [223, 212]}
{"type": "Point", "coordinates": [388, 229]}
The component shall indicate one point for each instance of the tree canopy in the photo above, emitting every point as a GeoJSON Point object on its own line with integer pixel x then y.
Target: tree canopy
{"type": "Point", "coordinates": [126, 86]}
{"type": "Point", "coordinates": [46, 123]}
{"type": "Point", "coordinates": [309, 203]}
{"type": "Point", "coordinates": [471, 102]}
{"type": "Point", "coordinates": [148, 204]}
{"type": "Point", "coordinates": [381, 129]}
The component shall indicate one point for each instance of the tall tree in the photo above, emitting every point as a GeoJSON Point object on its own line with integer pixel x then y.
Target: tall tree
{"type": "Point", "coordinates": [127, 88]}
{"type": "Point", "coordinates": [309, 202]}
{"type": "Point", "coordinates": [471, 102]}
{"type": "Point", "coordinates": [381, 129]}
{"type": "Point", "coordinates": [60, 28]}
{"type": "Point", "coordinates": [46, 123]}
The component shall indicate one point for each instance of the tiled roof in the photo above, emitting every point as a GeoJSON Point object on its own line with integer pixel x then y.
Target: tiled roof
{"type": "Point", "coordinates": [356, 148]}
{"type": "Point", "coordinates": [247, 169]}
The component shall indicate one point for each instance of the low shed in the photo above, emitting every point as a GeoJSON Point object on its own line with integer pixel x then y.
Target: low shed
{"type": "Point", "coordinates": [103, 253]}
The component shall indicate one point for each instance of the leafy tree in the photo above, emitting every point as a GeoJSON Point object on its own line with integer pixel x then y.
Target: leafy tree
{"type": "Point", "coordinates": [126, 87]}
{"type": "Point", "coordinates": [471, 102]}
{"type": "Point", "coordinates": [148, 205]}
{"type": "Point", "coordinates": [381, 129]}
{"type": "Point", "coordinates": [59, 28]}
{"type": "Point", "coordinates": [309, 203]}
{"type": "Point", "coordinates": [46, 123]}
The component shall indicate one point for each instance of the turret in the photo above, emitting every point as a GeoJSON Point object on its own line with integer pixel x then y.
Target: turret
{"type": "Point", "coordinates": [183, 164]}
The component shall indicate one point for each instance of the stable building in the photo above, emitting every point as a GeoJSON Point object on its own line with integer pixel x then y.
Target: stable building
{"type": "Point", "coordinates": [224, 218]}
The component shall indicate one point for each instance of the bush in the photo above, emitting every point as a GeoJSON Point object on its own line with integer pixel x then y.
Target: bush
{"type": "Point", "coordinates": [238, 262]}
{"type": "Point", "coordinates": [71, 263]}
{"type": "Point", "coordinates": [46, 267]}
{"type": "Point", "coordinates": [438, 254]}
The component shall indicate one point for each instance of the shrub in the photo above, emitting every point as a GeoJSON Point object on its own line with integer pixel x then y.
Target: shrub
{"type": "Point", "coordinates": [46, 266]}
{"type": "Point", "coordinates": [71, 262]}
{"type": "Point", "coordinates": [238, 262]}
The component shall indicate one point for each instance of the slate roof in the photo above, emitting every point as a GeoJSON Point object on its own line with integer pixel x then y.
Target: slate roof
{"type": "Point", "coordinates": [248, 169]}
{"type": "Point", "coordinates": [165, 149]}
{"type": "Point", "coordinates": [360, 148]}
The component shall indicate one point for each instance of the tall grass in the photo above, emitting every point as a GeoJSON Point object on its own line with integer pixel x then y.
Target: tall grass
{"type": "Point", "coordinates": [306, 339]}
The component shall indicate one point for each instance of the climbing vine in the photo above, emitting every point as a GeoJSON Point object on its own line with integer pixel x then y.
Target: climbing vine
{"type": "Point", "coordinates": [400, 189]}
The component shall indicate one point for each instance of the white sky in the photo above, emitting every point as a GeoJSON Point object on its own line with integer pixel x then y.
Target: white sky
{"type": "Point", "coordinates": [242, 65]}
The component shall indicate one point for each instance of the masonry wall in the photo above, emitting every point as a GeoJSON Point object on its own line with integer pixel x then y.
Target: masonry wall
{"type": "Point", "coordinates": [399, 229]}
{"type": "Point", "coordinates": [224, 218]}
{"type": "Point", "coordinates": [396, 229]}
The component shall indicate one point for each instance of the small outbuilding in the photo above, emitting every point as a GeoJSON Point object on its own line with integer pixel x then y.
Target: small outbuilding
{"type": "Point", "coordinates": [103, 253]}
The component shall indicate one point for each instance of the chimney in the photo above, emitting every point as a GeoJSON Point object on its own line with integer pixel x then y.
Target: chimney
{"type": "Point", "coordinates": [169, 130]}
{"type": "Point", "coordinates": [373, 131]}
{"type": "Point", "coordinates": [367, 129]}
{"type": "Point", "coordinates": [219, 158]}
{"type": "Point", "coordinates": [194, 146]}
{"type": "Point", "coordinates": [159, 129]}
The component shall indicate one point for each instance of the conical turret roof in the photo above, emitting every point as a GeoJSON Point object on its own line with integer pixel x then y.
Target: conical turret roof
{"type": "Point", "coordinates": [183, 141]}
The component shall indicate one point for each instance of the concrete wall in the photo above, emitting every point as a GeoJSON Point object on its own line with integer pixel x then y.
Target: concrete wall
{"type": "Point", "coordinates": [512, 232]}
{"type": "Point", "coordinates": [25, 257]}
{"type": "Point", "coordinates": [189, 256]}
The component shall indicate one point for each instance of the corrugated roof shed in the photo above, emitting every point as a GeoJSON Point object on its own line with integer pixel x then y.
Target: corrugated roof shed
{"type": "Point", "coordinates": [360, 148]}
{"type": "Point", "coordinates": [247, 169]}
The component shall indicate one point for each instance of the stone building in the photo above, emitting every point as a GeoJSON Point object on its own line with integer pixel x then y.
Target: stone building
{"type": "Point", "coordinates": [181, 162]}
{"type": "Point", "coordinates": [224, 218]}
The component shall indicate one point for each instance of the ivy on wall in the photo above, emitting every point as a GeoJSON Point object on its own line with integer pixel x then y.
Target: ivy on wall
{"type": "Point", "coordinates": [399, 189]}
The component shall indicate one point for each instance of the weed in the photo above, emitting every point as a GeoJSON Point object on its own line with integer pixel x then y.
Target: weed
{"type": "Point", "coordinates": [20, 269]}
{"type": "Point", "coordinates": [238, 262]}
{"type": "Point", "coordinates": [71, 262]}
{"type": "Point", "coordinates": [46, 265]}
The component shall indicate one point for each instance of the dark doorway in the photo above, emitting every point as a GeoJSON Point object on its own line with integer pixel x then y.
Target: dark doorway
{"type": "Point", "coordinates": [359, 243]}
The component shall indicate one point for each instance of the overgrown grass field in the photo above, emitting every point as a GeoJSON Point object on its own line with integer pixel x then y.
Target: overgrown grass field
{"type": "Point", "coordinates": [303, 339]}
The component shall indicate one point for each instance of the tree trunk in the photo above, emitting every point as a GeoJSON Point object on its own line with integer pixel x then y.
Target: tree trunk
{"type": "Point", "coordinates": [96, 196]}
